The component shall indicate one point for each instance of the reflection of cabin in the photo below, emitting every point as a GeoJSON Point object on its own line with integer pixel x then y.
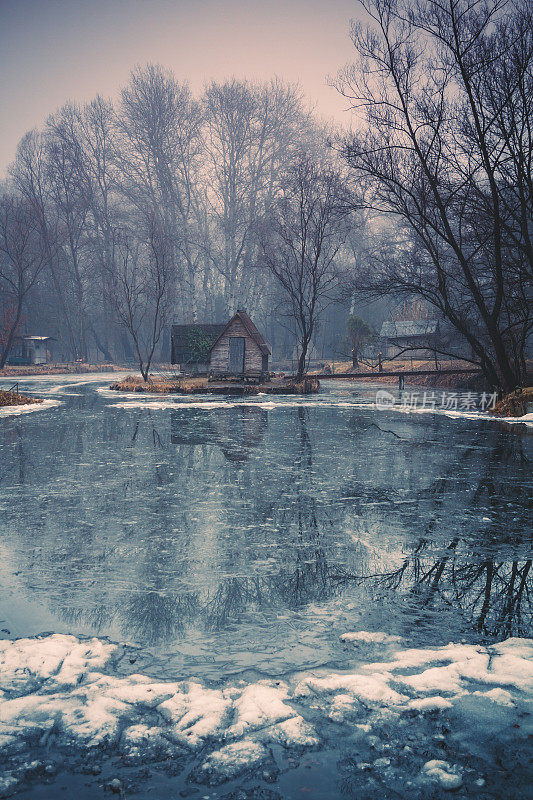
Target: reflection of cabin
{"type": "Point", "coordinates": [239, 350]}
{"type": "Point", "coordinates": [30, 350]}
{"type": "Point", "coordinates": [420, 336]}
{"type": "Point", "coordinates": [191, 345]}
{"type": "Point", "coordinates": [237, 431]}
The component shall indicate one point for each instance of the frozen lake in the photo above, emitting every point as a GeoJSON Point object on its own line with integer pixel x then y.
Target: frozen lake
{"type": "Point", "coordinates": [236, 540]}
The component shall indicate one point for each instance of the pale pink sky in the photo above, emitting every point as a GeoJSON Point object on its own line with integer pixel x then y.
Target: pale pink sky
{"type": "Point", "coordinates": [52, 51]}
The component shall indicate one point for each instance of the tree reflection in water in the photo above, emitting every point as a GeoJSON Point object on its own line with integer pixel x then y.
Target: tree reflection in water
{"type": "Point", "coordinates": [495, 594]}
{"type": "Point", "coordinates": [156, 531]}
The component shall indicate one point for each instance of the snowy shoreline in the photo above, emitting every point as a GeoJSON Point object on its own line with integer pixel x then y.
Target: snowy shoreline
{"type": "Point", "coordinates": [69, 690]}
{"type": "Point", "coordinates": [177, 403]}
{"type": "Point", "coordinates": [26, 408]}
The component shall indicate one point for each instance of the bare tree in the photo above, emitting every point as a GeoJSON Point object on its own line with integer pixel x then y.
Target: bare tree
{"type": "Point", "coordinates": [23, 256]}
{"type": "Point", "coordinates": [70, 195]}
{"type": "Point", "coordinates": [159, 158]}
{"type": "Point", "coordinates": [301, 239]}
{"type": "Point", "coordinates": [139, 287]}
{"type": "Point", "coordinates": [207, 168]}
{"type": "Point", "coordinates": [252, 133]}
{"type": "Point", "coordinates": [444, 90]}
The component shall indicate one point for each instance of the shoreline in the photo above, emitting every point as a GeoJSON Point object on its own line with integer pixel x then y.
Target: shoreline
{"type": "Point", "coordinates": [58, 369]}
{"type": "Point", "coordinates": [9, 399]}
{"type": "Point", "coordinates": [189, 386]}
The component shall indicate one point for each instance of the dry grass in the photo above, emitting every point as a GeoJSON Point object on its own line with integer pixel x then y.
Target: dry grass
{"type": "Point", "coordinates": [514, 404]}
{"type": "Point", "coordinates": [16, 399]}
{"type": "Point", "coordinates": [72, 368]}
{"type": "Point", "coordinates": [160, 385]}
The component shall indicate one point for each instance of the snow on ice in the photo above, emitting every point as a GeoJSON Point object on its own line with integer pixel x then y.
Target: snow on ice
{"type": "Point", "coordinates": [27, 408]}
{"type": "Point", "coordinates": [71, 689]}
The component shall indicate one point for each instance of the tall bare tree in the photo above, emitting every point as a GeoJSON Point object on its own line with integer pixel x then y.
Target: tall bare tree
{"type": "Point", "coordinates": [159, 159]}
{"type": "Point", "coordinates": [252, 133]}
{"type": "Point", "coordinates": [444, 92]}
{"type": "Point", "coordinates": [139, 285]}
{"type": "Point", "coordinates": [301, 240]}
{"type": "Point", "coordinates": [23, 256]}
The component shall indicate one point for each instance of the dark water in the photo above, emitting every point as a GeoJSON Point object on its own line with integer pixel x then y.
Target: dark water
{"type": "Point", "coordinates": [249, 535]}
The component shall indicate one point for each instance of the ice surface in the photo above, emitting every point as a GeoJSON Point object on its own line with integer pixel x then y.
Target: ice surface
{"type": "Point", "coordinates": [70, 687]}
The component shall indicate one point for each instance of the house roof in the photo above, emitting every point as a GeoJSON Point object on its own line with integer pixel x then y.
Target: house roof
{"type": "Point", "coordinates": [405, 328]}
{"type": "Point", "coordinates": [251, 330]}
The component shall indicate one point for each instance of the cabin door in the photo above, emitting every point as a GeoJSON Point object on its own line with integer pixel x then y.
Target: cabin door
{"type": "Point", "coordinates": [236, 355]}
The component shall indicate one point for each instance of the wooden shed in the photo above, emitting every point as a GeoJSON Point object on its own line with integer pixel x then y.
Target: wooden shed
{"type": "Point", "coordinates": [30, 350]}
{"type": "Point", "coordinates": [239, 350]}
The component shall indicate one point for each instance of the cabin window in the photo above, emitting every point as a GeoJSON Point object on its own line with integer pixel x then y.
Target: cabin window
{"type": "Point", "coordinates": [236, 354]}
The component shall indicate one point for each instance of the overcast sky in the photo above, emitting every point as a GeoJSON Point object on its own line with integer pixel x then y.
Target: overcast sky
{"type": "Point", "coordinates": [58, 50]}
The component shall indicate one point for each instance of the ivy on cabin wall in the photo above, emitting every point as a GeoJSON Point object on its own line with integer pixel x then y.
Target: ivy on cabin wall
{"type": "Point", "coordinates": [199, 345]}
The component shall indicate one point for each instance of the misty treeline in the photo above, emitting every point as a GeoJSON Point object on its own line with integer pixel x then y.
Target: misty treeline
{"type": "Point", "coordinates": [120, 218]}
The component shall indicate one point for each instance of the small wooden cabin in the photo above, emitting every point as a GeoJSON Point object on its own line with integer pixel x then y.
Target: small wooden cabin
{"type": "Point", "coordinates": [30, 350]}
{"type": "Point", "coordinates": [239, 350]}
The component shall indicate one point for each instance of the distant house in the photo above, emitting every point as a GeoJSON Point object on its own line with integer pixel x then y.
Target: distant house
{"type": "Point", "coordinates": [191, 345]}
{"type": "Point", "coordinates": [419, 336]}
{"type": "Point", "coordinates": [30, 350]}
{"type": "Point", "coordinates": [239, 350]}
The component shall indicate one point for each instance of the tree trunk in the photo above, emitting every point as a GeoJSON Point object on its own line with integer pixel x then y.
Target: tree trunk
{"type": "Point", "coordinates": [9, 342]}
{"type": "Point", "coordinates": [302, 361]}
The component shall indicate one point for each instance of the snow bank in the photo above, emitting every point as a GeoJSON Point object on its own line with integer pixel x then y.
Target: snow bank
{"type": "Point", "coordinates": [375, 637]}
{"type": "Point", "coordinates": [132, 401]}
{"type": "Point", "coordinates": [442, 773]}
{"type": "Point", "coordinates": [26, 408]}
{"type": "Point", "coordinates": [69, 688]}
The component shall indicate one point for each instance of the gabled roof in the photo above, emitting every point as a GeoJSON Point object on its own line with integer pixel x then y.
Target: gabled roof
{"type": "Point", "coordinates": [405, 328]}
{"type": "Point", "coordinates": [251, 330]}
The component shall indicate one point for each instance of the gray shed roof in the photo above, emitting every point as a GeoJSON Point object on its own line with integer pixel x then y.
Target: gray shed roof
{"type": "Point", "coordinates": [404, 329]}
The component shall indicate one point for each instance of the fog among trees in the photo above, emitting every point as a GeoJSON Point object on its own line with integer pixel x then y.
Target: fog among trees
{"type": "Point", "coordinates": [119, 218]}
{"type": "Point", "coordinates": [161, 193]}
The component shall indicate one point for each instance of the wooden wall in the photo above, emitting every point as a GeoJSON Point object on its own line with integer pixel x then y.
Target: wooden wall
{"type": "Point", "coordinates": [220, 353]}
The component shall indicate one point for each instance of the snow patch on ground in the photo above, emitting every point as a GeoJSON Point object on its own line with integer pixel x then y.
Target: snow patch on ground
{"type": "Point", "coordinates": [66, 687]}
{"type": "Point", "coordinates": [232, 759]}
{"type": "Point", "coordinates": [442, 773]}
{"type": "Point", "coordinates": [26, 408]}
{"type": "Point", "coordinates": [133, 401]}
{"type": "Point", "coordinates": [367, 637]}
